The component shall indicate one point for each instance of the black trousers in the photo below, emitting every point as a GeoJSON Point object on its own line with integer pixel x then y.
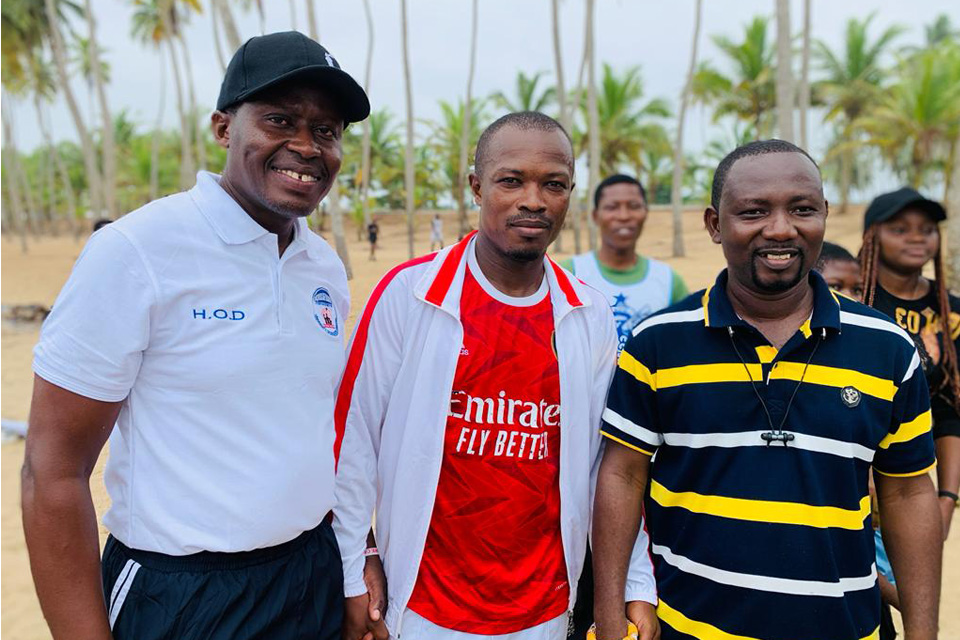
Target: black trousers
{"type": "Point", "coordinates": [293, 590]}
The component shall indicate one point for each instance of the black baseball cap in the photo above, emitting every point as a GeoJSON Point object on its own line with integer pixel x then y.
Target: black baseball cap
{"type": "Point", "coordinates": [887, 205]}
{"type": "Point", "coordinates": [264, 61]}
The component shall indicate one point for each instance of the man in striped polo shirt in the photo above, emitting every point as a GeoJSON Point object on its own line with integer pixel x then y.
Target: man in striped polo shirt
{"type": "Point", "coordinates": [765, 400]}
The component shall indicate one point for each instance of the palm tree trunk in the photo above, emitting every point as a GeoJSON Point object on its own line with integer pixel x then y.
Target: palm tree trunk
{"type": "Point", "coordinates": [94, 185]}
{"type": "Point", "coordinates": [186, 153]}
{"type": "Point", "coordinates": [408, 169]}
{"type": "Point", "coordinates": [365, 153]}
{"type": "Point", "coordinates": [561, 93]}
{"type": "Point", "coordinates": [109, 151]}
{"type": "Point", "coordinates": [846, 178]}
{"type": "Point", "coordinates": [465, 129]}
{"type": "Point", "coordinates": [10, 159]}
{"type": "Point", "coordinates": [60, 168]}
{"type": "Point", "coordinates": [215, 23]}
{"type": "Point", "coordinates": [805, 75]}
{"type": "Point", "coordinates": [293, 15]}
{"type": "Point", "coordinates": [593, 117]}
{"type": "Point", "coordinates": [312, 19]}
{"type": "Point", "coordinates": [200, 130]}
{"type": "Point", "coordinates": [676, 187]}
{"type": "Point", "coordinates": [785, 91]}
{"type": "Point", "coordinates": [263, 17]}
{"type": "Point", "coordinates": [230, 31]}
{"type": "Point", "coordinates": [157, 134]}
{"type": "Point", "coordinates": [336, 225]}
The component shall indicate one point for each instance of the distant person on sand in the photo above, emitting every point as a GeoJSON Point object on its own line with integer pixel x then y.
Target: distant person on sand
{"type": "Point", "coordinates": [635, 285]}
{"type": "Point", "coordinates": [469, 414]}
{"type": "Point", "coordinates": [902, 236]}
{"type": "Point", "coordinates": [743, 423]}
{"type": "Point", "coordinates": [436, 232]}
{"type": "Point", "coordinates": [373, 232]}
{"type": "Point", "coordinates": [208, 327]}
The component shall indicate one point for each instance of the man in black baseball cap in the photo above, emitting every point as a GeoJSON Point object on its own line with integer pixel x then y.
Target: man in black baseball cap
{"type": "Point", "coordinates": [203, 334]}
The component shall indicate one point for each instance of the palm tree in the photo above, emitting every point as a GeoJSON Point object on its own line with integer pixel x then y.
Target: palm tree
{"type": "Point", "coordinates": [593, 115]}
{"type": "Point", "coordinates": [623, 117]}
{"type": "Point", "coordinates": [804, 91]}
{"type": "Point", "coordinates": [365, 150]}
{"type": "Point", "coordinates": [748, 93]}
{"type": "Point", "coordinates": [109, 151]}
{"type": "Point", "coordinates": [456, 124]}
{"type": "Point", "coordinates": [529, 96]}
{"type": "Point", "coordinates": [408, 156]}
{"type": "Point", "coordinates": [784, 72]}
{"type": "Point", "coordinates": [52, 18]}
{"type": "Point", "coordinates": [230, 31]}
{"type": "Point", "coordinates": [940, 30]}
{"type": "Point", "coordinates": [466, 132]}
{"type": "Point", "coordinates": [200, 130]}
{"type": "Point", "coordinates": [11, 176]}
{"type": "Point", "coordinates": [43, 87]}
{"type": "Point", "coordinates": [312, 18]}
{"type": "Point", "coordinates": [154, 21]}
{"type": "Point", "coordinates": [917, 122]}
{"type": "Point", "coordinates": [851, 85]}
{"type": "Point", "coordinates": [676, 186]}
{"type": "Point", "coordinates": [565, 114]}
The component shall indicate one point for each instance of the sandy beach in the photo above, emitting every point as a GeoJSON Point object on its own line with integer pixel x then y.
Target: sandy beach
{"type": "Point", "coordinates": [37, 276]}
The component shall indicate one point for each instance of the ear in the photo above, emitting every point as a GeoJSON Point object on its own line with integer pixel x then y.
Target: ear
{"type": "Point", "coordinates": [475, 187]}
{"type": "Point", "coordinates": [220, 125]}
{"type": "Point", "coordinates": [711, 220]}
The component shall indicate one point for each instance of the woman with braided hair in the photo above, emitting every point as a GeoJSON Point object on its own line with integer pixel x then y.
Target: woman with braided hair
{"type": "Point", "coordinates": [901, 235]}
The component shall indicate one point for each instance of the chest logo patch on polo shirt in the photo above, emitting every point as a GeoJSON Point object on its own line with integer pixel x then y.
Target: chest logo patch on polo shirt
{"type": "Point", "coordinates": [850, 396]}
{"type": "Point", "coordinates": [325, 312]}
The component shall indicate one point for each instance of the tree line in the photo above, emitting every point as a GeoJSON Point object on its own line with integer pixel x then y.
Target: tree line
{"type": "Point", "coordinates": [885, 106]}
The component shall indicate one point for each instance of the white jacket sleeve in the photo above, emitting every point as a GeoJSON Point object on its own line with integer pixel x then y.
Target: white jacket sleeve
{"type": "Point", "coordinates": [373, 360]}
{"type": "Point", "coordinates": [640, 581]}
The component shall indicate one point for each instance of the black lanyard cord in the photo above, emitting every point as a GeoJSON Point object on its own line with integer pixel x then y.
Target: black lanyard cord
{"type": "Point", "coordinates": [776, 434]}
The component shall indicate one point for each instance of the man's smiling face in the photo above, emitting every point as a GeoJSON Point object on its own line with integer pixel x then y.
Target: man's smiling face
{"type": "Point", "coordinates": [771, 220]}
{"type": "Point", "coordinates": [284, 151]}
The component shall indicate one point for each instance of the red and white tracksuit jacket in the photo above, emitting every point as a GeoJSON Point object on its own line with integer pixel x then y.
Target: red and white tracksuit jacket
{"type": "Point", "coordinates": [391, 416]}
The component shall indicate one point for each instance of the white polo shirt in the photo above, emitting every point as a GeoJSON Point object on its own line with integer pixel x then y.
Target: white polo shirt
{"type": "Point", "coordinates": [226, 357]}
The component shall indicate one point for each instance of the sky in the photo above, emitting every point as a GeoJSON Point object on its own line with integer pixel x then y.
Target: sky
{"type": "Point", "coordinates": [513, 36]}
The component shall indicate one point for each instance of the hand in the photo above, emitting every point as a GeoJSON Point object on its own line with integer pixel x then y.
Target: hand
{"type": "Point", "coordinates": [363, 614]}
{"type": "Point", "coordinates": [644, 615]}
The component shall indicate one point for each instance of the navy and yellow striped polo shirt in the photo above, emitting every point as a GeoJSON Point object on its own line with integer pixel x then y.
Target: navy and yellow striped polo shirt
{"type": "Point", "coordinates": [757, 540]}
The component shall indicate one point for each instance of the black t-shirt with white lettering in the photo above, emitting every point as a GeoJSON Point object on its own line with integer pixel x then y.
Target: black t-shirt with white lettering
{"type": "Point", "coordinates": [921, 319]}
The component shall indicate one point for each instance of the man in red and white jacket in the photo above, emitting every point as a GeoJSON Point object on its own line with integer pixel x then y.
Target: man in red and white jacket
{"type": "Point", "coordinates": [468, 419]}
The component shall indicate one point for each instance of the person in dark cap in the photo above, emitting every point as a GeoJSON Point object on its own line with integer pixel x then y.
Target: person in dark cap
{"type": "Point", "coordinates": [901, 236]}
{"type": "Point", "coordinates": [203, 334]}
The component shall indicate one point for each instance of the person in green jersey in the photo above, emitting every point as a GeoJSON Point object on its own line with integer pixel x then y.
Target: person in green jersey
{"type": "Point", "coordinates": [636, 286]}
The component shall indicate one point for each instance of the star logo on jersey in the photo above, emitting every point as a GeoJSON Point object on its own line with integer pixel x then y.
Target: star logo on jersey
{"type": "Point", "coordinates": [850, 396]}
{"type": "Point", "coordinates": [627, 317]}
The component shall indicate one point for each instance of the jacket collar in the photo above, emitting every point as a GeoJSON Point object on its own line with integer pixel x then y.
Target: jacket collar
{"type": "Point", "coordinates": [718, 310]}
{"type": "Point", "coordinates": [232, 223]}
{"type": "Point", "coordinates": [442, 283]}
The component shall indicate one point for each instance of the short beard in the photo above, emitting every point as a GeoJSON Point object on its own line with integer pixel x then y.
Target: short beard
{"type": "Point", "coordinates": [778, 286]}
{"type": "Point", "coordinates": [524, 255]}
